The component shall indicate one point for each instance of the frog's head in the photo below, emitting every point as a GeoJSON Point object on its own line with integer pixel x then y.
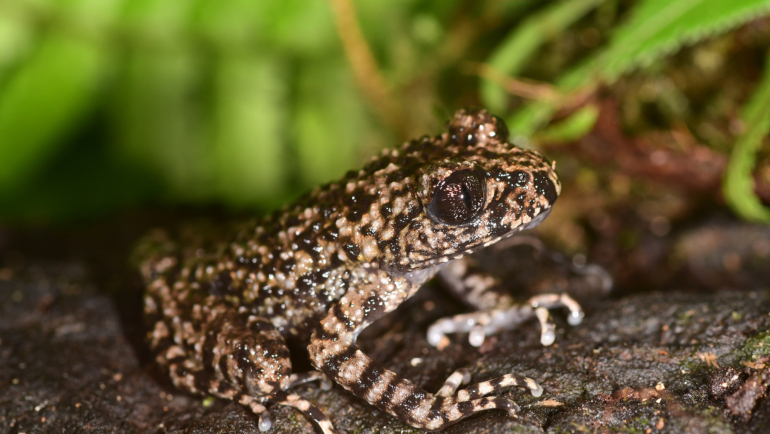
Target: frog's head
{"type": "Point", "coordinates": [471, 190]}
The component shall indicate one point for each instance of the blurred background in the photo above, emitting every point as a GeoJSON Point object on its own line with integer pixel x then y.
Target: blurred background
{"type": "Point", "coordinates": [656, 111]}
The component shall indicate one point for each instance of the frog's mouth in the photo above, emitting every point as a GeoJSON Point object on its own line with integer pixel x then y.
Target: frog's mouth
{"type": "Point", "coordinates": [532, 223]}
{"type": "Point", "coordinates": [422, 271]}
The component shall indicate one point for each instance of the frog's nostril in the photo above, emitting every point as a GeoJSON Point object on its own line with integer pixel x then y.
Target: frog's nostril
{"type": "Point", "coordinates": [501, 132]}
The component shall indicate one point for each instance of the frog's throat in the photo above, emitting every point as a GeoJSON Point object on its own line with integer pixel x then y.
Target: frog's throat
{"type": "Point", "coordinates": [419, 270]}
{"type": "Point", "coordinates": [418, 277]}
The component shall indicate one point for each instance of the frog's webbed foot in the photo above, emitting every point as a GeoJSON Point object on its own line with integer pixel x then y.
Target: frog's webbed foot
{"type": "Point", "coordinates": [388, 391]}
{"type": "Point", "coordinates": [291, 400]}
{"type": "Point", "coordinates": [244, 359]}
{"type": "Point", "coordinates": [478, 390]}
{"type": "Point", "coordinates": [465, 402]}
{"type": "Point", "coordinates": [485, 323]}
{"type": "Point", "coordinates": [256, 407]}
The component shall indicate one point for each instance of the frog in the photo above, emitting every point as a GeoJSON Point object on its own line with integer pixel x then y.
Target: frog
{"type": "Point", "coordinates": [221, 303]}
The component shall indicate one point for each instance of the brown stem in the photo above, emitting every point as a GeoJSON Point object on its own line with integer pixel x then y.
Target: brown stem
{"type": "Point", "coordinates": [524, 88]}
{"type": "Point", "coordinates": [365, 66]}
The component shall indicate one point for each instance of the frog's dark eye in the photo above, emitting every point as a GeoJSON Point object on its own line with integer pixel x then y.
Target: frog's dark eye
{"type": "Point", "coordinates": [459, 198]}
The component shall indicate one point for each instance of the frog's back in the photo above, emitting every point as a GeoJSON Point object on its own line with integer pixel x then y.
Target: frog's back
{"type": "Point", "coordinates": [288, 267]}
{"type": "Point", "coordinates": [292, 265]}
{"type": "Point", "coordinates": [246, 265]}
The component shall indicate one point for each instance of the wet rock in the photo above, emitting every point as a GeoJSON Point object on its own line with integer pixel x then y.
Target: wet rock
{"type": "Point", "coordinates": [742, 402]}
{"type": "Point", "coordinates": [724, 381]}
{"type": "Point", "coordinates": [732, 255]}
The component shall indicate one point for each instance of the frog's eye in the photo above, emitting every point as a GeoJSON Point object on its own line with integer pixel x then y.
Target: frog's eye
{"type": "Point", "coordinates": [459, 198]}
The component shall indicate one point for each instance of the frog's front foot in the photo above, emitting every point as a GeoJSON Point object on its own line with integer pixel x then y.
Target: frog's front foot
{"type": "Point", "coordinates": [290, 400]}
{"type": "Point", "coordinates": [296, 401]}
{"type": "Point", "coordinates": [485, 323]}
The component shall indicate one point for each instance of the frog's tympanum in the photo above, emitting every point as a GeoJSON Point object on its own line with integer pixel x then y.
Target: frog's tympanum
{"type": "Point", "coordinates": [319, 271]}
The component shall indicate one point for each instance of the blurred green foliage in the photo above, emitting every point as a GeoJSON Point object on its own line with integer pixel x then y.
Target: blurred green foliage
{"type": "Point", "coordinates": [739, 183]}
{"type": "Point", "coordinates": [106, 104]}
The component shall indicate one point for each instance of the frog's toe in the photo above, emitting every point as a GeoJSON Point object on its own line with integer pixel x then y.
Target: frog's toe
{"type": "Point", "coordinates": [551, 301]}
{"type": "Point", "coordinates": [265, 421]}
{"type": "Point", "coordinates": [459, 377]}
{"type": "Point", "coordinates": [575, 317]}
{"type": "Point", "coordinates": [295, 380]}
{"type": "Point", "coordinates": [476, 324]}
{"type": "Point", "coordinates": [547, 327]}
{"type": "Point", "coordinates": [310, 410]}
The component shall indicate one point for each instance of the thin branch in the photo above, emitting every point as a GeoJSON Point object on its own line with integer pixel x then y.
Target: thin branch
{"type": "Point", "coordinates": [364, 65]}
{"type": "Point", "coordinates": [529, 89]}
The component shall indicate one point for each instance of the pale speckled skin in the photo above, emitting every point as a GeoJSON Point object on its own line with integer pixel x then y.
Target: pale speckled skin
{"type": "Point", "coordinates": [322, 269]}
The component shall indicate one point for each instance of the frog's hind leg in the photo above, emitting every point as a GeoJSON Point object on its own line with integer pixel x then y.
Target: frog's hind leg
{"type": "Point", "coordinates": [333, 350]}
{"type": "Point", "coordinates": [388, 391]}
{"type": "Point", "coordinates": [211, 349]}
{"type": "Point", "coordinates": [258, 361]}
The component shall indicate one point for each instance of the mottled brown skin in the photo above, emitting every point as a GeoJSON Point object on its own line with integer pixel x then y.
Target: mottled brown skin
{"type": "Point", "coordinates": [325, 267]}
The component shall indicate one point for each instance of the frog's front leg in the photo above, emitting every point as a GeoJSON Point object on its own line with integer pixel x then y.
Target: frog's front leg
{"type": "Point", "coordinates": [333, 351]}
{"type": "Point", "coordinates": [497, 309]}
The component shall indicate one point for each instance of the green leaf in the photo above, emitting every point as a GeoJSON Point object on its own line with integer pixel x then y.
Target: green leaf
{"type": "Point", "coordinates": [303, 27]}
{"type": "Point", "coordinates": [518, 47]}
{"type": "Point", "coordinates": [157, 24]}
{"type": "Point", "coordinates": [531, 117]}
{"type": "Point", "coordinates": [233, 23]}
{"type": "Point", "coordinates": [250, 128]}
{"type": "Point", "coordinates": [656, 28]}
{"type": "Point", "coordinates": [16, 37]}
{"type": "Point", "coordinates": [91, 17]}
{"type": "Point", "coordinates": [659, 27]}
{"type": "Point", "coordinates": [738, 183]}
{"type": "Point", "coordinates": [577, 125]}
{"type": "Point", "coordinates": [43, 100]}
{"type": "Point", "coordinates": [161, 124]}
{"type": "Point", "coordinates": [329, 123]}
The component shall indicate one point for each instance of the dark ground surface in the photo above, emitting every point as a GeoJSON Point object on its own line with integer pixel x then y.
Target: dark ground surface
{"type": "Point", "coordinates": [676, 356]}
